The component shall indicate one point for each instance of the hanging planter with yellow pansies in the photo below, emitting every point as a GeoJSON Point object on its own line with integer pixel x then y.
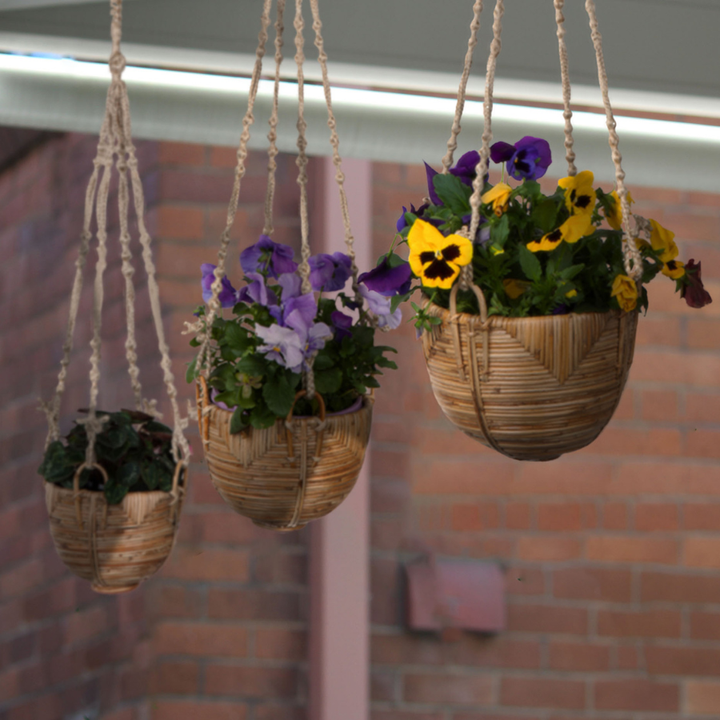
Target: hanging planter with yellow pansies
{"type": "Point", "coordinates": [531, 300]}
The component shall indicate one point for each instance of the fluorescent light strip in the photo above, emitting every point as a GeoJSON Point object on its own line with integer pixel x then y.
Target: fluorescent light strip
{"type": "Point", "coordinates": [399, 103]}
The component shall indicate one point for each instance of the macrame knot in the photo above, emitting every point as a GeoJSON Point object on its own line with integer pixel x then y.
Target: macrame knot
{"type": "Point", "coordinates": [117, 64]}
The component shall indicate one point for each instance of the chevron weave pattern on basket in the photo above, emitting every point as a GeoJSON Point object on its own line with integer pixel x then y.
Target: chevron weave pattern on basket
{"type": "Point", "coordinates": [280, 478]}
{"type": "Point", "coordinates": [115, 546]}
{"type": "Point", "coordinates": [532, 388]}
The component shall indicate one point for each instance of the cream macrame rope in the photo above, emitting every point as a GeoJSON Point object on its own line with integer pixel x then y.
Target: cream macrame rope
{"type": "Point", "coordinates": [273, 122]}
{"type": "Point", "coordinates": [203, 359]}
{"type": "Point", "coordinates": [115, 139]}
{"type": "Point", "coordinates": [447, 161]}
{"type": "Point", "coordinates": [482, 165]}
{"type": "Point", "coordinates": [335, 143]}
{"type": "Point", "coordinates": [632, 257]}
{"type": "Point", "coordinates": [565, 73]}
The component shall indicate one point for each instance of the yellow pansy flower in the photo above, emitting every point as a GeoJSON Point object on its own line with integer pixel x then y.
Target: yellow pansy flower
{"type": "Point", "coordinates": [663, 239]}
{"type": "Point", "coordinates": [614, 218]}
{"type": "Point", "coordinates": [574, 228]}
{"type": "Point", "coordinates": [625, 290]}
{"type": "Point", "coordinates": [673, 269]}
{"type": "Point", "coordinates": [571, 294]}
{"type": "Point", "coordinates": [499, 196]}
{"type": "Point", "coordinates": [434, 258]}
{"type": "Point", "coordinates": [515, 288]}
{"type": "Point", "coordinates": [579, 193]}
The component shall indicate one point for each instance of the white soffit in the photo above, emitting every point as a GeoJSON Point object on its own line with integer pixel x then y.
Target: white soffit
{"type": "Point", "coordinates": [397, 117]}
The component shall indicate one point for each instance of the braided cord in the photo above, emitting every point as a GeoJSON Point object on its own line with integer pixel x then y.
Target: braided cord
{"type": "Point", "coordinates": [565, 73]}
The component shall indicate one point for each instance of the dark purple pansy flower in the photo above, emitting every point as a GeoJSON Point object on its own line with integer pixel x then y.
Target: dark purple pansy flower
{"type": "Point", "coordinates": [268, 256]}
{"type": "Point", "coordinates": [330, 272]}
{"type": "Point", "coordinates": [430, 173]}
{"type": "Point", "coordinates": [402, 223]}
{"type": "Point", "coordinates": [342, 324]}
{"type": "Point", "coordinates": [465, 167]}
{"type": "Point", "coordinates": [228, 294]}
{"type": "Point", "coordinates": [386, 280]}
{"type": "Point", "coordinates": [528, 159]}
{"type": "Point", "coordinates": [561, 309]}
{"type": "Point", "coordinates": [696, 296]}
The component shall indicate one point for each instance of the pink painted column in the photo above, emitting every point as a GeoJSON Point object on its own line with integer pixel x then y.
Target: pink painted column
{"type": "Point", "coordinates": [339, 564]}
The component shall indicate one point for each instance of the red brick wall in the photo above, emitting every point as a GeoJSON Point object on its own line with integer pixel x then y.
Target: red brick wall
{"type": "Point", "coordinates": [612, 553]}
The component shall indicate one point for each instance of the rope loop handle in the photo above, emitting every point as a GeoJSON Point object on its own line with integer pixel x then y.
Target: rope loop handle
{"type": "Point", "coordinates": [76, 487]}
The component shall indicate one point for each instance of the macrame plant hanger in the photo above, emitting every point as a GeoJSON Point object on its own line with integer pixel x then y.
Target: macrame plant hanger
{"type": "Point", "coordinates": [116, 149]}
{"type": "Point", "coordinates": [250, 479]}
{"type": "Point", "coordinates": [469, 362]}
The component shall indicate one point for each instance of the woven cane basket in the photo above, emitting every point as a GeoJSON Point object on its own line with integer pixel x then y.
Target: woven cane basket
{"type": "Point", "coordinates": [531, 388]}
{"type": "Point", "coordinates": [282, 477]}
{"type": "Point", "coordinates": [115, 547]}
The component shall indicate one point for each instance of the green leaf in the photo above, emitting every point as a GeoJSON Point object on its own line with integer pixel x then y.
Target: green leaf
{"type": "Point", "coordinates": [152, 474]}
{"type": "Point", "coordinates": [453, 192]}
{"type": "Point", "coordinates": [261, 417]}
{"type": "Point", "coordinates": [237, 337]}
{"type": "Point", "coordinates": [279, 395]}
{"type": "Point", "coordinates": [323, 361]}
{"type": "Point", "coordinates": [251, 365]}
{"type": "Point", "coordinates": [114, 492]}
{"type": "Point", "coordinates": [238, 421]}
{"type": "Point", "coordinates": [529, 263]}
{"type": "Point", "coordinates": [190, 372]}
{"type": "Point", "coordinates": [544, 215]}
{"type": "Point", "coordinates": [499, 232]}
{"type": "Point", "coordinates": [128, 474]}
{"type": "Point", "coordinates": [328, 381]}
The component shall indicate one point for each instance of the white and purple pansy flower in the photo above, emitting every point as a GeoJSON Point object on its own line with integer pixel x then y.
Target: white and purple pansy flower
{"type": "Point", "coordinates": [380, 307]}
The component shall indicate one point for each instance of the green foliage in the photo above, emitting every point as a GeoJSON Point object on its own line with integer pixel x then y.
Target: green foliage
{"type": "Point", "coordinates": [133, 448]}
{"type": "Point", "coordinates": [518, 281]}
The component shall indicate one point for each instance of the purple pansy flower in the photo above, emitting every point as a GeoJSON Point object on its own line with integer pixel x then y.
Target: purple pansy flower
{"type": "Point", "coordinates": [388, 280]}
{"type": "Point", "coordinates": [528, 159]}
{"type": "Point", "coordinates": [283, 345]}
{"type": "Point", "coordinates": [430, 173]}
{"type": "Point", "coordinates": [342, 324]}
{"type": "Point", "coordinates": [330, 272]}
{"type": "Point", "coordinates": [268, 256]}
{"type": "Point", "coordinates": [228, 294]}
{"type": "Point", "coordinates": [465, 167]}
{"type": "Point", "coordinates": [257, 291]}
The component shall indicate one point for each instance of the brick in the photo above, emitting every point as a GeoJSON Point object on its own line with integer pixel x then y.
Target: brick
{"type": "Point", "coordinates": [558, 517]}
{"type": "Point", "coordinates": [401, 715]}
{"type": "Point", "coordinates": [701, 516]}
{"type": "Point", "coordinates": [524, 581]}
{"type": "Point", "coordinates": [175, 638]}
{"type": "Point", "coordinates": [645, 623]}
{"type": "Point", "coordinates": [656, 517]}
{"type": "Point", "coordinates": [702, 408]}
{"type": "Point", "coordinates": [548, 549]}
{"type": "Point", "coordinates": [545, 692]}
{"type": "Point", "coordinates": [627, 657]}
{"type": "Point", "coordinates": [171, 601]}
{"type": "Point", "coordinates": [176, 153]}
{"type": "Point", "coordinates": [660, 405]}
{"type": "Point", "coordinates": [631, 549]}
{"type": "Point", "coordinates": [462, 478]}
{"type": "Point", "coordinates": [518, 516]}
{"type": "Point", "coordinates": [250, 682]}
{"type": "Point", "coordinates": [176, 678]}
{"type": "Point", "coordinates": [446, 688]}
{"type": "Point", "coordinates": [631, 441]}
{"type": "Point", "coordinates": [547, 619]}
{"type": "Point", "coordinates": [703, 334]}
{"type": "Point", "coordinates": [672, 367]}
{"type": "Point", "coordinates": [703, 443]}
{"type": "Point", "coordinates": [705, 625]}
{"type": "Point", "coordinates": [207, 564]}
{"type": "Point", "coordinates": [702, 698]}
{"type": "Point", "coordinates": [668, 478]}
{"type": "Point", "coordinates": [474, 517]}
{"type": "Point", "coordinates": [579, 657]}
{"type": "Point", "coordinates": [279, 644]}
{"type": "Point", "coordinates": [614, 516]}
{"type": "Point", "coordinates": [671, 660]}
{"type": "Point", "coordinates": [178, 222]}
{"type": "Point", "coordinates": [85, 625]}
{"type": "Point", "coordinates": [701, 551]}
{"type": "Point", "coordinates": [638, 695]}
{"type": "Point", "coordinates": [679, 587]}
{"type": "Point", "coordinates": [193, 710]}
{"type": "Point", "coordinates": [562, 477]}
{"type": "Point", "coordinates": [659, 331]}
{"type": "Point", "coordinates": [609, 585]}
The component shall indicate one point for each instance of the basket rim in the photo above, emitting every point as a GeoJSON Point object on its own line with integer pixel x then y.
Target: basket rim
{"type": "Point", "coordinates": [84, 492]}
{"type": "Point", "coordinates": [495, 319]}
{"type": "Point", "coordinates": [367, 402]}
